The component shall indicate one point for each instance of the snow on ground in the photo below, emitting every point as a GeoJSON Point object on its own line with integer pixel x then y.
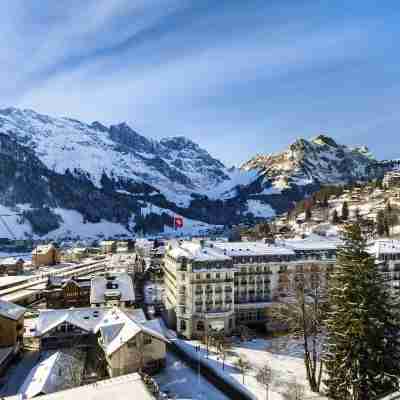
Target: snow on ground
{"type": "Point", "coordinates": [190, 226]}
{"type": "Point", "coordinates": [16, 254]}
{"type": "Point", "coordinates": [73, 226]}
{"type": "Point", "coordinates": [259, 209]}
{"type": "Point", "coordinates": [285, 358]}
{"type": "Point", "coordinates": [178, 379]}
{"type": "Point", "coordinates": [227, 188]}
{"type": "Point", "coordinates": [14, 223]}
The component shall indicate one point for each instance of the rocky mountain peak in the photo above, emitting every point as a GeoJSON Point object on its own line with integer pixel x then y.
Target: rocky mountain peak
{"type": "Point", "coordinates": [318, 161]}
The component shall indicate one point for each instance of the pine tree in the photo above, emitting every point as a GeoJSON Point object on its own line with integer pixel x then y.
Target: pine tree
{"type": "Point", "coordinates": [345, 211]}
{"type": "Point", "coordinates": [362, 327]}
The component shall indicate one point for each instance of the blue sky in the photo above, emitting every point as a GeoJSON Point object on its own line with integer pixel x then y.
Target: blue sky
{"type": "Point", "coordinates": [238, 77]}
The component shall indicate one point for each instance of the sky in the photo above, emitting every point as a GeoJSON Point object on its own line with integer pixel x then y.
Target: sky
{"type": "Point", "coordinates": [238, 77]}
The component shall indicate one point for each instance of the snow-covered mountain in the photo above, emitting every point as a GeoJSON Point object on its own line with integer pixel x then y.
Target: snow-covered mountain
{"type": "Point", "coordinates": [61, 177]}
{"type": "Point", "coordinates": [173, 165]}
{"type": "Point", "coordinates": [318, 161]}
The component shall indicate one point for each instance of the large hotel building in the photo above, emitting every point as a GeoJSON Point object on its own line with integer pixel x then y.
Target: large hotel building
{"type": "Point", "coordinates": [217, 285]}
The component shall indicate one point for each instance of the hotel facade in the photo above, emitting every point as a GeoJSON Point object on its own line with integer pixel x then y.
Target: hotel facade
{"type": "Point", "coordinates": [219, 285]}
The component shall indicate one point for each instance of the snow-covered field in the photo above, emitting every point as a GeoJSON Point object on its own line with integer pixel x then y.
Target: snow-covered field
{"type": "Point", "coordinates": [284, 357]}
{"type": "Point", "coordinates": [16, 254]}
{"type": "Point", "coordinates": [73, 226]}
{"type": "Point", "coordinates": [190, 226]}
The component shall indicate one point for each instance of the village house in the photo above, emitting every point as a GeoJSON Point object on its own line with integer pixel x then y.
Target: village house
{"type": "Point", "coordinates": [128, 344]}
{"type": "Point", "coordinates": [125, 246]}
{"type": "Point", "coordinates": [391, 178]}
{"type": "Point", "coordinates": [76, 254]}
{"type": "Point", "coordinates": [112, 290]}
{"type": "Point", "coordinates": [108, 246]}
{"type": "Point", "coordinates": [12, 324]}
{"type": "Point", "coordinates": [45, 255]}
{"type": "Point", "coordinates": [66, 293]}
{"type": "Point", "coordinates": [11, 266]}
{"type": "Point", "coordinates": [11, 332]}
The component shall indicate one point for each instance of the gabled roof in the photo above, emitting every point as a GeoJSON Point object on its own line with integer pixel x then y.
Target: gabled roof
{"type": "Point", "coordinates": [11, 310]}
{"type": "Point", "coordinates": [43, 249]}
{"type": "Point", "coordinates": [116, 336]}
{"type": "Point", "coordinates": [85, 318]}
{"type": "Point", "coordinates": [52, 374]}
{"type": "Point", "coordinates": [114, 325]}
{"type": "Point", "coordinates": [119, 388]}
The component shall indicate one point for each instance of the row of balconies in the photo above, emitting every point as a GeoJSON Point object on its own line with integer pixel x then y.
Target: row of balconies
{"type": "Point", "coordinates": [211, 280]}
{"type": "Point", "coordinates": [257, 299]}
{"type": "Point", "coordinates": [210, 290]}
{"type": "Point", "coordinates": [252, 282]}
{"type": "Point", "coordinates": [253, 273]}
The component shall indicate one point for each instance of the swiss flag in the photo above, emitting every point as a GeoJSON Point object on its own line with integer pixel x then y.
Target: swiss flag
{"type": "Point", "coordinates": [178, 222]}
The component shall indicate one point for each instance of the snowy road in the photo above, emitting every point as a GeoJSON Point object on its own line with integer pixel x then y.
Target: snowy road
{"type": "Point", "coordinates": [181, 380]}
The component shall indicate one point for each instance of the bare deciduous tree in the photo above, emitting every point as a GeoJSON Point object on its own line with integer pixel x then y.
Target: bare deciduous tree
{"type": "Point", "coordinates": [264, 377]}
{"type": "Point", "coordinates": [223, 349]}
{"type": "Point", "coordinates": [242, 365]}
{"type": "Point", "coordinates": [295, 391]}
{"type": "Point", "coordinates": [304, 317]}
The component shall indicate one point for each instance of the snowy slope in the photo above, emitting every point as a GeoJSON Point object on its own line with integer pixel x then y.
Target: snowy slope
{"type": "Point", "coordinates": [118, 151]}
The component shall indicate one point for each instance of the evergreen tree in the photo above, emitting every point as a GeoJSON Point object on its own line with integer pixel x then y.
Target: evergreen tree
{"type": "Point", "coordinates": [362, 327]}
{"type": "Point", "coordinates": [345, 211]}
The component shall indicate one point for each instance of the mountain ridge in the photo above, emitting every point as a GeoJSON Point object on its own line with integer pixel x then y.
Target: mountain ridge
{"type": "Point", "coordinates": [139, 183]}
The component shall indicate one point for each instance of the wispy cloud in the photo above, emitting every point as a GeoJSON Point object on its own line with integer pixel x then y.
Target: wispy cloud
{"type": "Point", "coordinates": [238, 77]}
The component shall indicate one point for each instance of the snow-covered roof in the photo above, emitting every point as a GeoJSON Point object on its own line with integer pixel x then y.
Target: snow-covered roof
{"type": "Point", "coordinates": [10, 261]}
{"type": "Point", "coordinates": [257, 248]}
{"type": "Point", "coordinates": [122, 286]}
{"type": "Point", "coordinates": [42, 249]}
{"type": "Point", "coordinates": [119, 388]}
{"type": "Point", "coordinates": [11, 310]}
{"type": "Point", "coordinates": [115, 326]}
{"type": "Point", "coordinates": [52, 374]}
{"type": "Point", "coordinates": [197, 252]}
{"type": "Point", "coordinates": [312, 243]}
{"type": "Point", "coordinates": [85, 318]}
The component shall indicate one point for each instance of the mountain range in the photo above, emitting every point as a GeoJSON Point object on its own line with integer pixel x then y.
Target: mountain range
{"type": "Point", "coordinates": [60, 177]}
